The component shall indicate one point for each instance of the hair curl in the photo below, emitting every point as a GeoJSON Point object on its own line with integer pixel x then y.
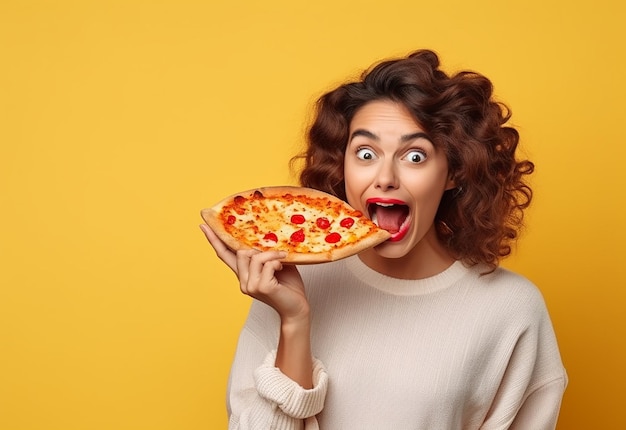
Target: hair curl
{"type": "Point", "coordinates": [480, 219]}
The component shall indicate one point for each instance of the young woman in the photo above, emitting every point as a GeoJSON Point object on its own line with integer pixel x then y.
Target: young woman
{"type": "Point", "coordinates": [424, 331]}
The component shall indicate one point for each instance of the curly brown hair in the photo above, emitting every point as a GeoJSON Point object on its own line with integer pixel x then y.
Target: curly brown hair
{"type": "Point", "coordinates": [478, 220]}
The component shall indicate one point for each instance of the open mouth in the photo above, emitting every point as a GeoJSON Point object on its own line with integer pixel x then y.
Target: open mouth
{"type": "Point", "coordinates": [390, 215]}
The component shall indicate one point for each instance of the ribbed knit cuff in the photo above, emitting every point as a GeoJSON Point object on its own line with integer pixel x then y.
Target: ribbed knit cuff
{"type": "Point", "coordinates": [290, 397]}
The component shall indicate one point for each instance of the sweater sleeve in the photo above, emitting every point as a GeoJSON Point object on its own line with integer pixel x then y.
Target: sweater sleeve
{"type": "Point", "coordinates": [541, 408]}
{"type": "Point", "coordinates": [260, 396]}
{"type": "Point", "coordinates": [533, 382]}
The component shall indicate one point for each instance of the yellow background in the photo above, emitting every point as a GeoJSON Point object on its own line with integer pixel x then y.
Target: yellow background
{"type": "Point", "coordinates": [120, 120]}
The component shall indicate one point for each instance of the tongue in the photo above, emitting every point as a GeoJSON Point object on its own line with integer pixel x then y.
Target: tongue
{"type": "Point", "coordinates": [390, 218]}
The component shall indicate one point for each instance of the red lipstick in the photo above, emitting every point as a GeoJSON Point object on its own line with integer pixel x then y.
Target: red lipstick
{"type": "Point", "coordinates": [385, 201]}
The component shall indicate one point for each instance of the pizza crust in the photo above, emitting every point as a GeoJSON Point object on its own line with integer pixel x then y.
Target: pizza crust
{"type": "Point", "coordinates": [212, 217]}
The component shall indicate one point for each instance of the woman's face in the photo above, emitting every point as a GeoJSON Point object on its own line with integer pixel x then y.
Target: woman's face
{"type": "Point", "coordinates": [395, 174]}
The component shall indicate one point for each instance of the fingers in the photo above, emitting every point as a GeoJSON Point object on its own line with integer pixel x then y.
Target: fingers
{"type": "Point", "coordinates": [256, 271]}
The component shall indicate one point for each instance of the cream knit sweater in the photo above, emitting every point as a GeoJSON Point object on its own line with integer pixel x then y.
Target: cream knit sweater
{"type": "Point", "coordinates": [454, 351]}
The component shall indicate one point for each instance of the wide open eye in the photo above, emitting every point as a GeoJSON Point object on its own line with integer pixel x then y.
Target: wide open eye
{"type": "Point", "coordinates": [415, 156]}
{"type": "Point", "coordinates": [365, 154]}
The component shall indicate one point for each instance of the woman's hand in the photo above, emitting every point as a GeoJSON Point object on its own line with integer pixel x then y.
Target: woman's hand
{"type": "Point", "coordinates": [263, 277]}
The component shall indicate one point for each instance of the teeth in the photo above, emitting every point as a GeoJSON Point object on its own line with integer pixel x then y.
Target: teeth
{"type": "Point", "coordinates": [385, 205]}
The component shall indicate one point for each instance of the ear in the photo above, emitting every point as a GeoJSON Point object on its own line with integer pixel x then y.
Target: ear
{"type": "Point", "coordinates": [451, 184]}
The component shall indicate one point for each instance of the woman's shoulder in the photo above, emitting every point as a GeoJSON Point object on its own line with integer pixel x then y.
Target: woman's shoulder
{"type": "Point", "coordinates": [513, 283]}
{"type": "Point", "coordinates": [509, 293]}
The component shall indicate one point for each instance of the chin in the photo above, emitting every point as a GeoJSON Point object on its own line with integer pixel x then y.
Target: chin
{"type": "Point", "coordinates": [390, 250]}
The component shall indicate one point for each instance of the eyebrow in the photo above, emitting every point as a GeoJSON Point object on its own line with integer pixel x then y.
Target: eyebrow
{"type": "Point", "coordinates": [403, 139]}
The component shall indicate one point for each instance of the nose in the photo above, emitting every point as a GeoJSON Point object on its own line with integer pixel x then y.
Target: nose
{"type": "Point", "coordinates": [387, 176]}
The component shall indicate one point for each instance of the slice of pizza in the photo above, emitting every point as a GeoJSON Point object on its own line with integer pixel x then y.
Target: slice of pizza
{"type": "Point", "coordinates": [311, 225]}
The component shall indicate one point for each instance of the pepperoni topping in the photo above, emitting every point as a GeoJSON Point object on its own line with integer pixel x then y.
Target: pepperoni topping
{"type": "Point", "coordinates": [297, 219]}
{"type": "Point", "coordinates": [347, 222]}
{"type": "Point", "coordinates": [231, 219]}
{"type": "Point", "coordinates": [297, 236]}
{"type": "Point", "coordinates": [333, 238]}
{"type": "Point", "coordinates": [271, 236]}
{"type": "Point", "coordinates": [323, 223]}
{"type": "Point", "coordinates": [239, 200]}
